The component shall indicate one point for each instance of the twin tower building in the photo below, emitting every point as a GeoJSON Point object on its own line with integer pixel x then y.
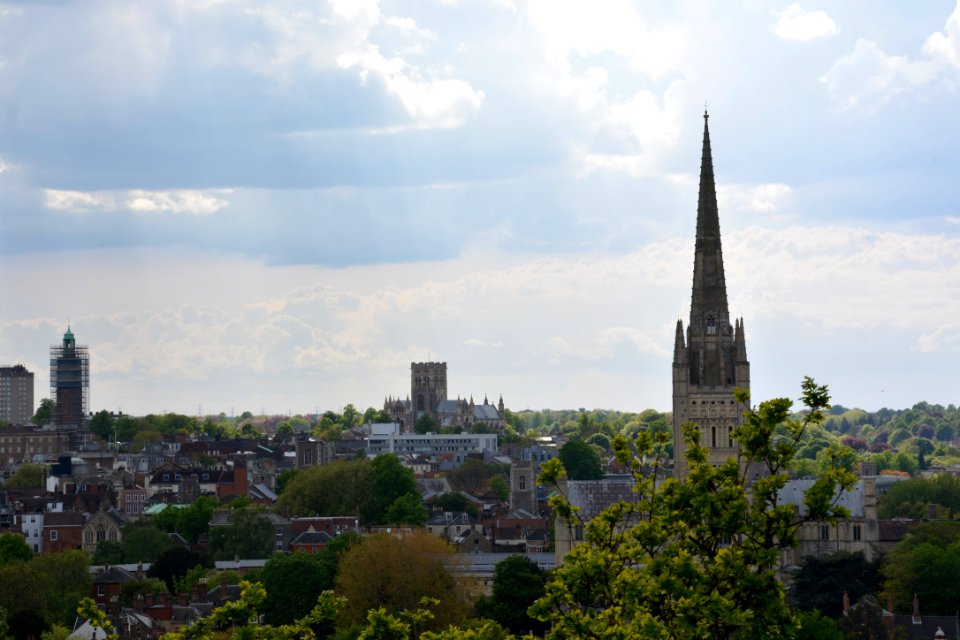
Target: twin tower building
{"type": "Point", "coordinates": [710, 357]}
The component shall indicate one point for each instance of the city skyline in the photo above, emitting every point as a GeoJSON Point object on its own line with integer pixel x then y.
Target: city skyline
{"type": "Point", "coordinates": [279, 206]}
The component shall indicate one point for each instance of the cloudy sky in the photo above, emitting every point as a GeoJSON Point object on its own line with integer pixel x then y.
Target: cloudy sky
{"type": "Point", "coordinates": [277, 206]}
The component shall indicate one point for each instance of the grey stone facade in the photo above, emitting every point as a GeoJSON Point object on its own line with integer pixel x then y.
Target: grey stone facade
{"type": "Point", "coordinates": [710, 361]}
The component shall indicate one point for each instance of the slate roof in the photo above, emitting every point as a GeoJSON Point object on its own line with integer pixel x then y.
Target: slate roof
{"type": "Point", "coordinates": [593, 496]}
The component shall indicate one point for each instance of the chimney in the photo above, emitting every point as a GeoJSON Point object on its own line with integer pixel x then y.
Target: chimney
{"type": "Point", "coordinates": [846, 603]}
{"type": "Point", "coordinates": [916, 609]}
{"type": "Point", "coordinates": [140, 570]}
{"type": "Point", "coordinates": [148, 599]}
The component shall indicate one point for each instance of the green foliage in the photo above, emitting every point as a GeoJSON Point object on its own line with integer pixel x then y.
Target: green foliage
{"type": "Point", "coordinates": [248, 534]}
{"type": "Point", "coordinates": [864, 621]}
{"type": "Point", "coordinates": [814, 626]}
{"type": "Point", "coordinates": [13, 548]}
{"type": "Point", "coordinates": [174, 563]}
{"type": "Point", "coordinates": [44, 414]}
{"type": "Point", "coordinates": [131, 591]}
{"type": "Point", "coordinates": [27, 476]}
{"type": "Point", "coordinates": [395, 573]}
{"type": "Point", "coordinates": [821, 582]}
{"type": "Point", "coordinates": [144, 542]}
{"type": "Point", "coordinates": [581, 461]}
{"type": "Point", "coordinates": [454, 501]}
{"type": "Point", "coordinates": [473, 476]}
{"type": "Point", "coordinates": [911, 497]}
{"type": "Point", "coordinates": [392, 480]}
{"type": "Point", "coordinates": [293, 583]}
{"type": "Point", "coordinates": [695, 558]}
{"type": "Point", "coordinates": [89, 611]}
{"type": "Point", "coordinates": [924, 564]}
{"type": "Point", "coordinates": [190, 522]}
{"type": "Point", "coordinates": [43, 591]}
{"type": "Point", "coordinates": [344, 488]}
{"type": "Point", "coordinates": [407, 509]}
{"type": "Point", "coordinates": [425, 424]}
{"type": "Point", "coordinates": [517, 583]}
{"type": "Point", "coordinates": [498, 485]}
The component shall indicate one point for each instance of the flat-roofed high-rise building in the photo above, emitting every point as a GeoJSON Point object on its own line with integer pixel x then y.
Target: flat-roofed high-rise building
{"type": "Point", "coordinates": [16, 395]}
{"type": "Point", "coordinates": [69, 381]}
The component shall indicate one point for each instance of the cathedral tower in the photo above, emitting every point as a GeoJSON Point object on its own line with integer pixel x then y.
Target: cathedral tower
{"type": "Point", "coordinates": [428, 388]}
{"type": "Point", "coordinates": [711, 360]}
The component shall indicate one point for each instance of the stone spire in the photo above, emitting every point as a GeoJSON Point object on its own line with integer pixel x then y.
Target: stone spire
{"type": "Point", "coordinates": [708, 304]}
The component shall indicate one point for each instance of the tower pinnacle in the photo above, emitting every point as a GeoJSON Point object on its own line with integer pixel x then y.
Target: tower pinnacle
{"type": "Point", "coordinates": [708, 304]}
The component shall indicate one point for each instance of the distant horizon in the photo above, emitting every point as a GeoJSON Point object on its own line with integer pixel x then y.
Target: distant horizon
{"type": "Point", "coordinates": [283, 205]}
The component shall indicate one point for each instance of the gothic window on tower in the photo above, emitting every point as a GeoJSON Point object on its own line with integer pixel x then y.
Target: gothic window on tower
{"type": "Point", "coordinates": [711, 325]}
{"type": "Point", "coordinates": [419, 403]}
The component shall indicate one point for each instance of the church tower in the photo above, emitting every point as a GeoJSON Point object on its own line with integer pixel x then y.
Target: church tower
{"type": "Point", "coordinates": [710, 361]}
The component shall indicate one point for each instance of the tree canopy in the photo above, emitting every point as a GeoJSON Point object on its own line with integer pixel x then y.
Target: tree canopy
{"type": "Point", "coordinates": [395, 573]}
{"type": "Point", "coordinates": [695, 558]}
{"type": "Point", "coordinates": [581, 461]}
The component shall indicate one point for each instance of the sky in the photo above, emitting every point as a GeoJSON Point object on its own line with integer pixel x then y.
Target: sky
{"type": "Point", "coordinates": [276, 206]}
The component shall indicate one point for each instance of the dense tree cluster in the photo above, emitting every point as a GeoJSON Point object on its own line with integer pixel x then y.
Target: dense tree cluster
{"type": "Point", "coordinates": [377, 491]}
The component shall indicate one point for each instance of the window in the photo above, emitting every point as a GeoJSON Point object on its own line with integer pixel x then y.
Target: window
{"type": "Point", "coordinates": [113, 535]}
{"type": "Point", "coordinates": [53, 535]}
{"type": "Point", "coordinates": [88, 537]}
{"type": "Point", "coordinates": [857, 532]}
{"type": "Point", "coordinates": [523, 483]}
{"type": "Point", "coordinates": [101, 590]}
{"type": "Point", "coordinates": [101, 535]}
{"type": "Point", "coordinates": [824, 532]}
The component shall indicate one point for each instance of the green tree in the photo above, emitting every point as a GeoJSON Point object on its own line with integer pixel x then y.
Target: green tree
{"type": "Point", "coordinates": [392, 480]}
{"type": "Point", "coordinates": [144, 542]}
{"type": "Point", "coordinates": [814, 626]}
{"type": "Point", "coordinates": [454, 501]}
{"type": "Point", "coordinates": [425, 424]}
{"type": "Point", "coordinates": [395, 573]}
{"type": "Point", "coordinates": [174, 563]}
{"type": "Point", "coordinates": [101, 424]}
{"type": "Point", "coordinates": [517, 583]}
{"type": "Point", "coordinates": [27, 476]}
{"type": "Point", "coordinates": [248, 534]}
{"type": "Point", "coordinates": [821, 582]}
{"type": "Point", "coordinates": [407, 509]}
{"type": "Point", "coordinates": [911, 497]}
{"type": "Point", "coordinates": [499, 486]}
{"type": "Point", "coordinates": [695, 558]}
{"type": "Point", "coordinates": [13, 548]}
{"type": "Point", "coordinates": [922, 564]}
{"type": "Point", "coordinates": [580, 461]}
{"type": "Point", "coordinates": [293, 584]}
{"type": "Point", "coordinates": [864, 621]}
{"type": "Point", "coordinates": [190, 522]}
{"type": "Point", "coordinates": [44, 414]}
{"type": "Point", "coordinates": [344, 488]}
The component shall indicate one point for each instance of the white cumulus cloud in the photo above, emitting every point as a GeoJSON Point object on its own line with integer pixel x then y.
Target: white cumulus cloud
{"type": "Point", "coordinates": [796, 23]}
{"type": "Point", "coordinates": [182, 201]}
{"type": "Point", "coordinates": [868, 77]}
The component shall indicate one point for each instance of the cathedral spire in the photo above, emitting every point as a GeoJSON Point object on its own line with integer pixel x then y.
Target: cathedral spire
{"type": "Point", "coordinates": [708, 305]}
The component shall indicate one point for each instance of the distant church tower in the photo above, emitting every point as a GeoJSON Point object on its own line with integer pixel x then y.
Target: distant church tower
{"type": "Point", "coordinates": [69, 381]}
{"type": "Point", "coordinates": [428, 387]}
{"type": "Point", "coordinates": [712, 361]}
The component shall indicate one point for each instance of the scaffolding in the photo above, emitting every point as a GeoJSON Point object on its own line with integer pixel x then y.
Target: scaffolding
{"type": "Point", "coordinates": [69, 382]}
